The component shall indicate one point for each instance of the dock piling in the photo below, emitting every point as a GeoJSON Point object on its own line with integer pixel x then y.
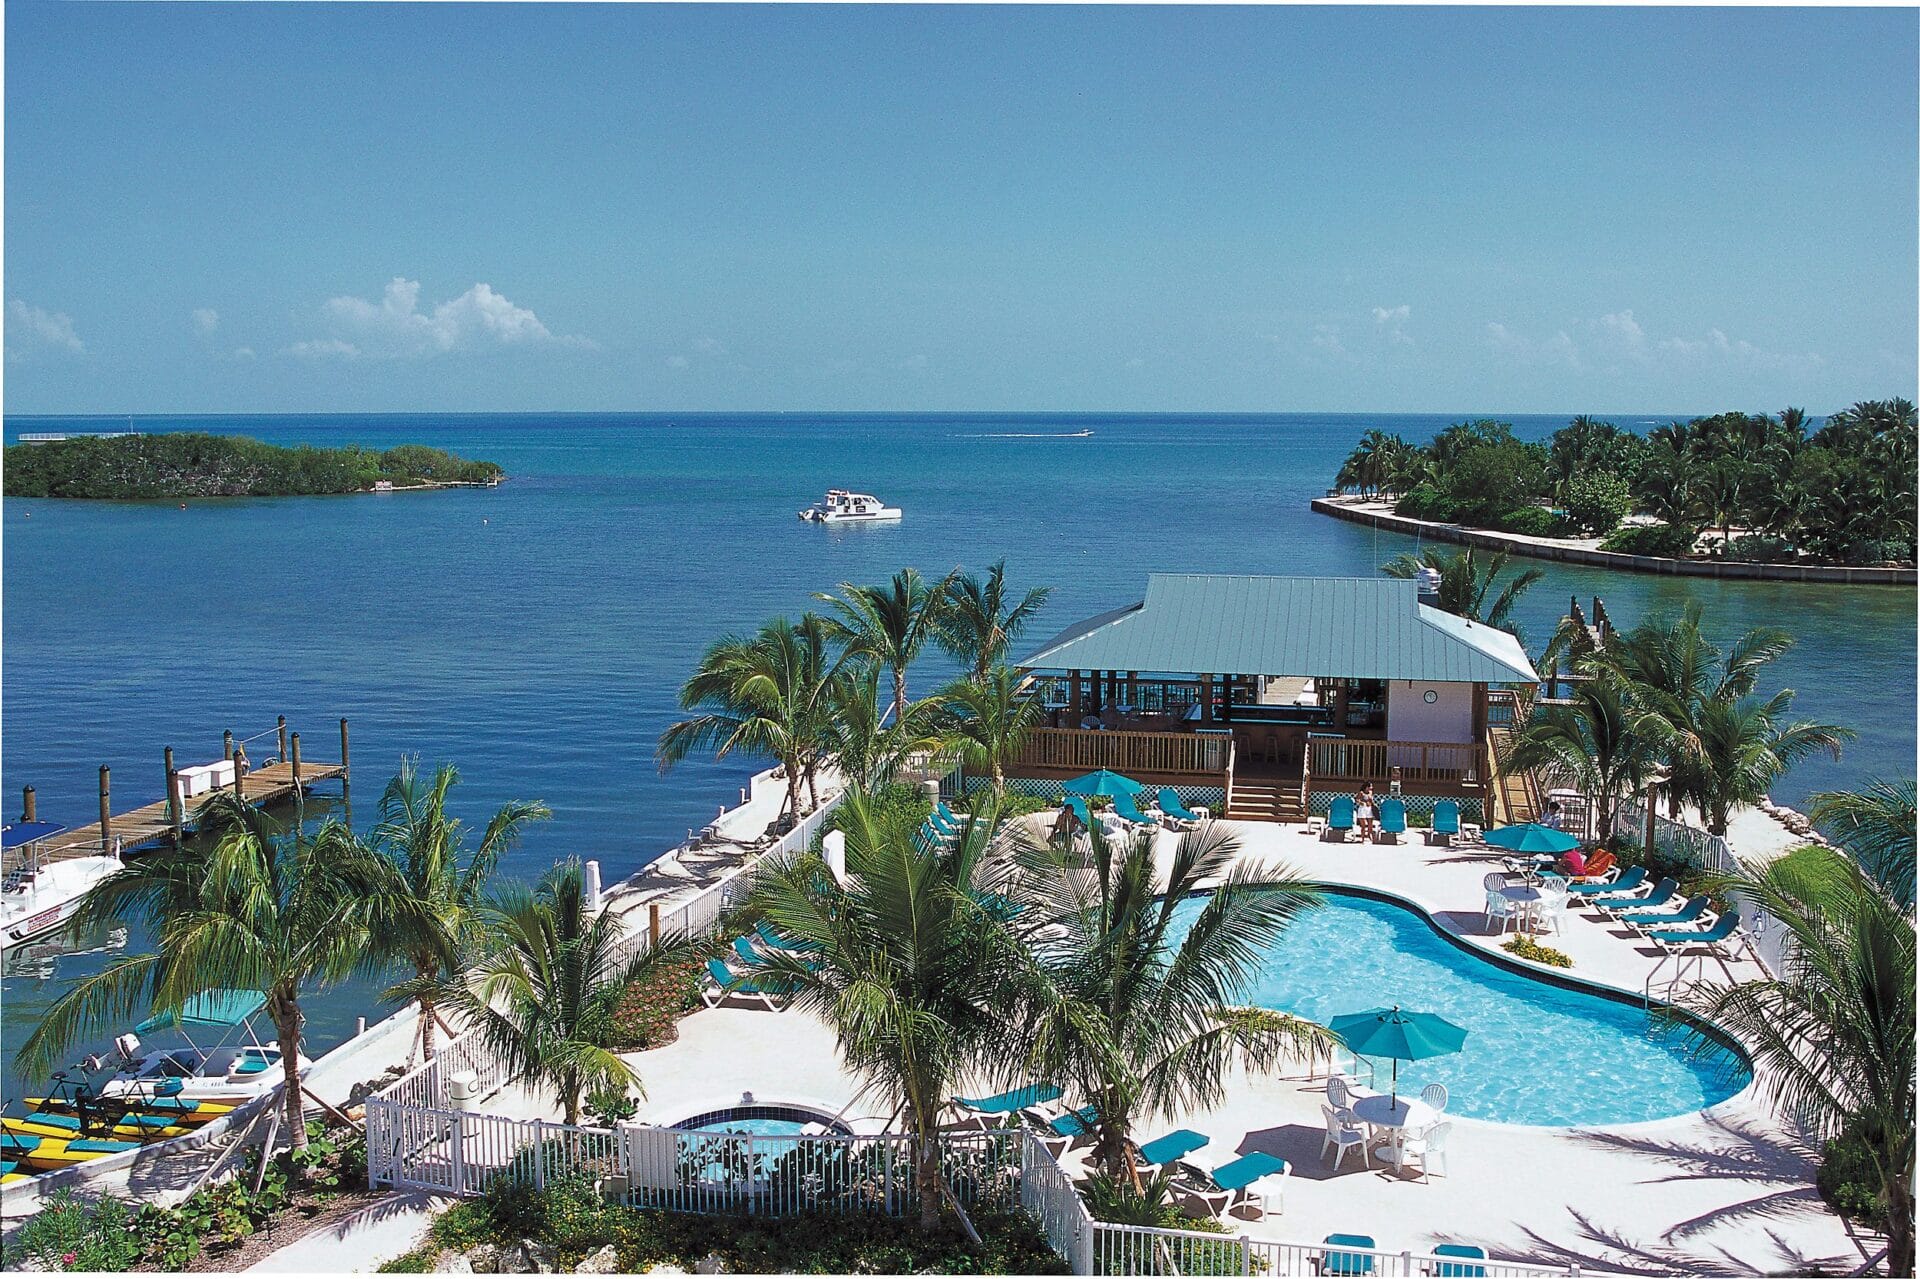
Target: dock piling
{"type": "Point", "coordinates": [173, 799]}
{"type": "Point", "coordinates": [294, 759]}
{"type": "Point", "coordinates": [106, 807]}
{"type": "Point", "coordinates": [283, 736]}
{"type": "Point", "coordinates": [28, 810]}
{"type": "Point", "coordinates": [653, 924]}
{"type": "Point", "coordinates": [226, 745]}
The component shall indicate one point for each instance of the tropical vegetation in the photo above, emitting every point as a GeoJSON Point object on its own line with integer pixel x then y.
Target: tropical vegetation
{"type": "Point", "coordinates": [1744, 486]}
{"type": "Point", "coordinates": [1466, 579]}
{"type": "Point", "coordinates": [193, 464]}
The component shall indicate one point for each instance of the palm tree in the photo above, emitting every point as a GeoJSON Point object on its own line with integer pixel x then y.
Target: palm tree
{"type": "Point", "coordinates": [891, 623]}
{"type": "Point", "coordinates": [543, 998]}
{"type": "Point", "coordinates": [1745, 748]}
{"type": "Point", "coordinates": [1876, 826]}
{"type": "Point", "coordinates": [765, 693]}
{"type": "Point", "coordinates": [449, 884]}
{"type": "Point", "coordinates": [977, 626]}
{"type": "Point", "coordinates": [988, 718]}
{"type": "Point", "coordinates": [241, 907]}
{"type": "Point", "coordinates": [866, 744]}
{"type": "Point", "coordinates": [1833, 1034]}
{"type": "Point", "coordinates": [1467, 578]}
{"type": "Point", "coordinates": [908, 965]}
{"type": "Point", "coordinates": [1598, 741]}
{"type": "Point", "coordinates": [1142, 1019]}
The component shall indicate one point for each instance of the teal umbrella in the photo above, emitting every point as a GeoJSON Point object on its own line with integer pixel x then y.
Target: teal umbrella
{"type": "Point", "coordinates": [1104, 782]}
{"type": "Point", "coordinates": [1403, 1036]}
{"type": "Point", "coordinates": [1532, 837]}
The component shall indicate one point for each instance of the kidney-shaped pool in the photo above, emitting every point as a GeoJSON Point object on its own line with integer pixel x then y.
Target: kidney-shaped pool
{"type": "Point", "coordinates": [1536, 1052]}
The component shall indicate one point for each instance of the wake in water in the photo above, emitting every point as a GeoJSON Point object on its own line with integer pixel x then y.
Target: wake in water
{"type": "Point", "coordinates": [1028, 435]}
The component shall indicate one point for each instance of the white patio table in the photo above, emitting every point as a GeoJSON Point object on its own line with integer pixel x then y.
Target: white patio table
{"type": "Point", "coordinates": [1382, 1112]}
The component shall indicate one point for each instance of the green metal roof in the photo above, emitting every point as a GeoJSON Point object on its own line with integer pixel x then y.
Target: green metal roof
{"type": "Point", "coordinates": [1329, 627]}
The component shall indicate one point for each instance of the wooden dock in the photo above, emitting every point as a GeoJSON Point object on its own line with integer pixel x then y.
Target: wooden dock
{"type": "Point", "coordinates": [165, 820]}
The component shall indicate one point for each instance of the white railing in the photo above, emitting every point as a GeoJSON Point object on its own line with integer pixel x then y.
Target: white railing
{"type": "Point", "coordinates": [1048, 1195]}
{"type": "Point", "coordinates": [1148, 1250]}
{"type": "Point", "coordinates": [426, 1085]}
{"type": "Point", "coordinates": [1769, 941]}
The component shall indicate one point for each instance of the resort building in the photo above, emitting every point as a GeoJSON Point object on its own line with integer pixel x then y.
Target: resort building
{"type": "Point", "coordinates": [1263, 697]}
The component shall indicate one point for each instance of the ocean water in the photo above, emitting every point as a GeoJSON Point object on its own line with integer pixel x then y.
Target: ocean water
{"type": "Point", "coordinates": [1535, 1053]}
{"type": "Point", "coordinates": [537, 634]}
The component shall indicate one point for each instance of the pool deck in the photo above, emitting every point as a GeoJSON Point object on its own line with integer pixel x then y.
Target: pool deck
{"type": "Point", "coordinates": [1726, 1190]}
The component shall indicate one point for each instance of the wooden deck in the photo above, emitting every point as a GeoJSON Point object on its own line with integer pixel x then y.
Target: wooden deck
{"type": "Point", "coordinates": [153, 823]}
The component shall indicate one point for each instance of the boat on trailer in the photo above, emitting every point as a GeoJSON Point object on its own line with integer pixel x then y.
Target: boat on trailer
{"type": "Point", "coordinates": [38, 895]}
{"type": "Point", "coordinates": [843, 507]}
{"type": "Point", "coordinates": [235, 1069]}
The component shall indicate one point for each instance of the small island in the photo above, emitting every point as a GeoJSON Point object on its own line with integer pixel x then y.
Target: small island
{"type": "Point", "coordinates": [1734, 494]}
{"type": "Point", "coordinates": [190, 464]}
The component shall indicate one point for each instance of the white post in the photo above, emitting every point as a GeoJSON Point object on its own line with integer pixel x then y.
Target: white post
{"type": "Point", "coordinates": [459, 1140]}
{"type": "Point", "coordinates": [593, 887]}
{"type": "Point", "coordinates": [539, 1156]}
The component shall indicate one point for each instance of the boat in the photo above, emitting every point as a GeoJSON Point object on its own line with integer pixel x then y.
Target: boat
{"type": "Point", "coordinates": [37, 895]}
{"type": "Point", "coordinates": [125, 1127]}
{"type": "Point", "coordinates": [10, 1174]}
{"type": "Point", "coordinates": [843, 507]}
{"type": "Point", "coordinates": [45, 1154]}
{"type": "Point", "coordinates": [174, 1080]}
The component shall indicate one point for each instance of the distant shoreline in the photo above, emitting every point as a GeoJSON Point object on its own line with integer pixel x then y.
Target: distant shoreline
{"type": "Point", "coordinates": [1364, 511]}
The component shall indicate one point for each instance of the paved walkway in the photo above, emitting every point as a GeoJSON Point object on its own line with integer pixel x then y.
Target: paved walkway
{"type": "Point", "coordinates": [359, 1244]}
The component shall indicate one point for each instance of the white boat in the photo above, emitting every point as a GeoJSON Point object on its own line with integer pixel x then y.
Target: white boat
{"type": "Point", "coordinates": [39, 896]}
{"type": "Point", "coordinates": [233, 1070]}
{"type": "Point", "coordinates": [842, 507]}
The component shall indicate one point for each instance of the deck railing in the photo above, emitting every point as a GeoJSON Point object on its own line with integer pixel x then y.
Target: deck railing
{"type": "Point", "coordinates": [1082, 750]}
{"type": "Point", "coordinates": [1342, 759]}
{"type": "Point", "coordinates": [1152, 1250]}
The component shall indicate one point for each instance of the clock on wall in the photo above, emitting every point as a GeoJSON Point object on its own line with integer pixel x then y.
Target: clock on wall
{"type": "Point", "coordinates": [1430, 696]}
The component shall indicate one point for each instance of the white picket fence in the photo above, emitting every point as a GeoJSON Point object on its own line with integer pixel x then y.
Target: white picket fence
{"type": "Point", "coordinates": [1713, 853]}
{"type": "Point", "coordinates": [1049, 1197]}
{"type": "Point", "coordinates": [1146, 1250]}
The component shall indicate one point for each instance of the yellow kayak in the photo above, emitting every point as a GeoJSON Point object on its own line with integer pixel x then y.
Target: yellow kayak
{"type": "Point", "coordinates": [48, 1153]}
{"type": "Point", "coordinates": [10, 1174]}
{"type": "Point", "coordinates": [126, 1127]}
{"type": "Point", "coordinates": [180, 1110]}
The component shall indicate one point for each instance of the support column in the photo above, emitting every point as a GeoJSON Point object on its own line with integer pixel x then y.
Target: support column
{"type": "Point", "coordinates": [106, 809]}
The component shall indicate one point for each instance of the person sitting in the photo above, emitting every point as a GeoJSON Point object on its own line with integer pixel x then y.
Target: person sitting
{"type": "Point", "coordinates": [1366, 813]}
{"type": "Point", "coordinates": [1574, 864]}
{"type": "Point", "coordinates": [1554, 817]}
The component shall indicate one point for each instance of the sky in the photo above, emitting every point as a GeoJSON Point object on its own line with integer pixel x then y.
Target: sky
{"type": "Point", "coordinates": [331, 207]}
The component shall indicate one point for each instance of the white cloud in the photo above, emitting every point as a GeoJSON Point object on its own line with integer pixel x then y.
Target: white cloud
{"type": "Point", "coordinates": [1326, 339]}
{"type": "Point", "coordinates": [205, 319]}
{"type": "Point", "coordinates": [1617, 341]}
{"type": "Point", "coordinates": [29, 327]}
{"type": "Point", "coordinates": [1392, 314]}
{"type": "Point", "coordinates": [396, 328]}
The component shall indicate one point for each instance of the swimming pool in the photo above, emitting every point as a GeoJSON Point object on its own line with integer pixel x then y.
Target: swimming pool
{"type": "Point", "coordinates": [1536, 1053]}
{"type": "Point", "coordinates": [764, 1121]}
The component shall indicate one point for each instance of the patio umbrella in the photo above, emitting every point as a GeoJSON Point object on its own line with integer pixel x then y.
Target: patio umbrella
{"type": "Point", "coordinates": [1103, 782]}
{"type": "Point", "coordinates": [1532, 837]}
{"type": "Point", "coordinates": [1403, 1036]}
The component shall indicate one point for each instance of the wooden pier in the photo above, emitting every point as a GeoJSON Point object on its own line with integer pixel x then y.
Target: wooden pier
{"type": "Point", "coordinates": [168, 820]}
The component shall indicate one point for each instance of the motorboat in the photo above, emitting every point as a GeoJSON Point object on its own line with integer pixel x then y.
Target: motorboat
{"type": "Point", "coordinates": [192, 1079]}
{"type": "Point", "coordinates": [39, 894]}
{"type": "Point", "coordinates": [843, 507]}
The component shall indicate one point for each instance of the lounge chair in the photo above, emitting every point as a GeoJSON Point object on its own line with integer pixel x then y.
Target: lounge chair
{"type": "Point", "coordinates": [1127, 811]}
{"type": "Point", "coordinates": [1656, 921]}
{"type": "Point", "coordinates": [1618, 884]}
{"type": "Point", "coordinates": [1464, 1268]}
{"type": "Point", "coordinates": [1598, 867]}
{"type": "Point", "coordinates": [1393, 820]}
{"type": "Point", "coordinates": [1170, 805]}
{"type": "Point", "coordinates": [1711, 940]}
{"type": "Point", "coordinates": [1663, 894]}
{"type": "Point", "coordinates": [724, 982]}
{"type": "Point", "coordinates": [979, 1110]}
{"type": "Point", "coordinates": [1176, 1145]}
{"type": "Point", "coordinates": [1339, 818]}
{"type": "Point", "coordinates": [1233, 1184]}
{"type": "Point", "coordinates": [771, 935]}
{"type": "Point", "coordinates": [1060, 1131]}
{"type": "Point", "coordinates": [947, 816]}
{"type": "Point", "coordinates": [1446, 823]}
{"type": "Point", "coordinates": [1333, 1261]}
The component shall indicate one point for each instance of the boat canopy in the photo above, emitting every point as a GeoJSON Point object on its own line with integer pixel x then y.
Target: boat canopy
{"type": "Point", "coordinates": [28, 832]}
{"type": "Point", "coordinates": [213, 1010]}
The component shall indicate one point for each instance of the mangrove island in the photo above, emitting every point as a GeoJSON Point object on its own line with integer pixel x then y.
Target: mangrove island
{"type": "Point", "coordinates": [193, 464]}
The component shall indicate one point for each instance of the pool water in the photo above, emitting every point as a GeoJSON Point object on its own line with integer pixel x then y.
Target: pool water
{"type": "Point", "coordinates": [757, 1127]}
{"type": "Point", "coordinates": [1536, 1053]}
{"type": "Point", "coordinates": [762, 1120]}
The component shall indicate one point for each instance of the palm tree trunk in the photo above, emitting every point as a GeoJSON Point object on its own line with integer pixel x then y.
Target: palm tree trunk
{"type": "Point", "coordinates": [428, 1015]}
{"type": "Point", "coordinates": [287, 1022]}
{"type": "Point", "coordinates": [926, 1177]}
{"type": "Point", "coordinates": [899, 692]}
{"type": "Point", "coordinates": [1899, 1194]}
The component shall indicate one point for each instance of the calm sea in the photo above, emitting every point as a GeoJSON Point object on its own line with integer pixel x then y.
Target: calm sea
{"type": "Point", "coordinates": [537, 634]}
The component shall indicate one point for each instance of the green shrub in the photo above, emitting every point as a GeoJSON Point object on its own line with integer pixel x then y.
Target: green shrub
{"type": "Point", "coordinates": [1487, 480]}
{"type": "Point", "coordinates": [417, 1262]}
{"type": "Point", "coordinates": [607, 1107]}
{"type": "Point", "coordinates": [898, 801]}
{"type": "Point", "coordinates": [467, 1223]}
{"type": "Point", "coordinates": [79, 1232]}
{"type": "Point", "coordinates": [648, 1011]}
{"type": "Point", "coordinates": [1597, 501]}
{"type": "Point", "coordinates": [1532, 521]}
{"type": "Point", "coordinates": [1848, 1182]}
{"type": "Point", "coordinates": [1527, 948]}
{"type": "Point", "coordinates": [195, 464]}
{"type": "Point", "coordinates": [1761, 549]}
{"type": "Point", "coordinates": [1014, 805]}
{"type": "Point", "coordinates": [1667, 540]}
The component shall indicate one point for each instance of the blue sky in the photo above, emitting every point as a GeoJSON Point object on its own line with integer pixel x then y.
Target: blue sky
{"type": "Point", "coordinates": [334, 207]}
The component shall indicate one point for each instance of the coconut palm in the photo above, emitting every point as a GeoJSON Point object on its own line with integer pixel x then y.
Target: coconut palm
{"type": "Point", "coordinates": [1745, 746]}
{"type": "Point", "coordinates": [1876, 826]}
{"type": "Point", "coordinates": [1467, 578]}
{"type": "Point", "coordinates": [1598, 742]}
{"type": "Point", "coordinates": [977, 624]}
{"type": "Point", "coordinates": [543, 998]}
{"type": "Point", "coordinates": [912, 970]}
{"type": "Point", "coordinates": [868, 746]}
{"type": "Point", "coordinates": [988, 719]}
{"type": "Point", "coordinates": [1142, 1007]}
{"type": "Point", "coordinates": [427, 846]}
{"type": "Point", "coordinates": [766, 693]}
{"type": "Point", "coordinates": [240, 907]}
{"type": "Point", "coordinates": [890, 623]}
{"type": "Point", "coordinates": [1833, 1034]}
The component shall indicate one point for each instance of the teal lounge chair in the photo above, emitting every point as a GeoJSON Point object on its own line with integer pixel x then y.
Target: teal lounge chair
{"type": "Point", "coordinates": [1676, 941]}
{"type": "Point", "coordinates": [1177, 1144]}
{"type": "Point", "coordinates": [772, 936]}
{"type": "Point", "coordinates": [1340, 818]}
{"type": "Point", "coordinates": [1463, 1269]}
{"type": "Point", "coordinates": [978, 1110]}
{"type": "Point", "coordinates": [1170, 805]}
{"type": "Point", "coordinates": [1446, 822]}
{"type": "Point", "coordinates": [1663, 894]}
{"type": "Point", "coordinates": [725, 982]}
{"type": "Point", "coordinates": [1690, 910]}
{"type": "Point", "coordinates": [1233, 1183]}
{"type": "Point", "coordinates": [1128, 811]}
{"type": "Point", "coordinates": [1393, 820]}
{"type": "Point", "coordinates": [1335, 1262]}
{"type": "Point", "coordinates": [946, 814]}
{"type": "Point", "coordinates": [1625, 886]}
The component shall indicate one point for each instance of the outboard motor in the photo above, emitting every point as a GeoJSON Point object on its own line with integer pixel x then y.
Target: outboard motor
{"type": "Point", "coordinates": [128, 1046]}
{"type": "Point", "coordinates": [1427, 586]}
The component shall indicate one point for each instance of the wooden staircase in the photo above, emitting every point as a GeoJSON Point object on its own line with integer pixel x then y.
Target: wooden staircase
{"type": "Point", "coordinates": [1265, 799]}
{"type": "Point", "coordinates": [1515, 795]}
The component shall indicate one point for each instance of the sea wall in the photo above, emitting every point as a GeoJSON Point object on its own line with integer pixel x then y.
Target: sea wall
{"type": "Point", "coordinates": [1551, 549]}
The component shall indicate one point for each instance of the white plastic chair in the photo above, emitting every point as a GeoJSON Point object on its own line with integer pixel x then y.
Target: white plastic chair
{"type": "Point", "coordinates": [1427, 1145]}
{"type": "Point", "coordinates": [1339, 1091]}
{"type": "Point", "coordinates": [1344, 1132]}
{"type": "Point", "coordinates": [1550, 911]}
{"type": "Point", "coordinates": [1435, 1095]}
{"type": "Point", "coordinates": [1501, 911]}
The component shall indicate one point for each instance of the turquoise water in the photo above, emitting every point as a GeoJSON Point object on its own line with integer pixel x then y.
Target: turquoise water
{"type": "Point", "coordinates": [1536, 1053]}
{"type": "Point", "coordinates": [757, 1127]}
{"type": "Point", "coordinates": [537, 634]}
